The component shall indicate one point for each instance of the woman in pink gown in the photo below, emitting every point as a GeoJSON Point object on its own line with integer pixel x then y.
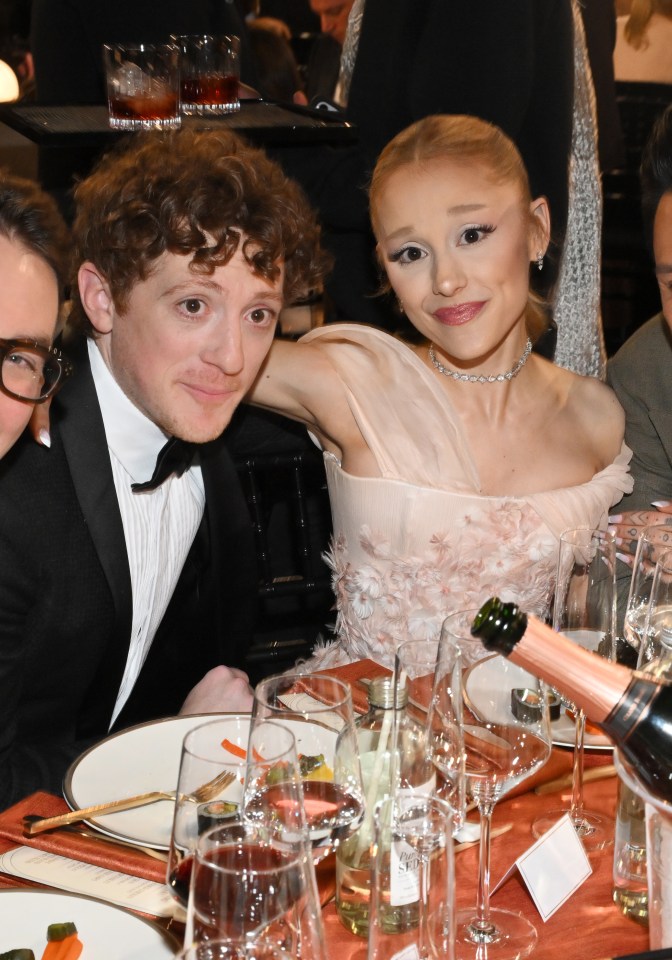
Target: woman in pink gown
{"type": "Point", "coordinates": [453, 464]}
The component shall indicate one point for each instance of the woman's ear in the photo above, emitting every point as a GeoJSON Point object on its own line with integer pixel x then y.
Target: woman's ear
{"type": "Point", "coordinates": [94, 292]}
{"type": "Point", "coordinates": [540, 234]}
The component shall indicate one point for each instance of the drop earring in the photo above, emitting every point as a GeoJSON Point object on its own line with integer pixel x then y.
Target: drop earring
{"type": "Point", "coordinates": [540, 260]}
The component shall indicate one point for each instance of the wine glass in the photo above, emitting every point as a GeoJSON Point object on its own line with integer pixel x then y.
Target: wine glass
{"type": "Point", "coordinates": [507, 737]}
{"type": "Point", "coordinates": [273, 794]}
{"type": "Point", "coordinates": [233, 949]}
{"type": "Point", "coordinates": [657, 627]}
{"type": "Point", "coordinates": [653, 541]}
{"type": "Point", "coordinates": [584, 610]}
{"type": "Point", "coordinates": [318, 709]}
{"type": "Point", "coordinates": [249, 884]}
{"type": "Point", "coordinates": [418, 669]}
{"type": "Point", "coordinates": [207, 750]}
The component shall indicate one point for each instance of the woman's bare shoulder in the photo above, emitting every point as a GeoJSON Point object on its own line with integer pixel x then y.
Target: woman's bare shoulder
{"type": "Point", "coordinates": [595, 407]}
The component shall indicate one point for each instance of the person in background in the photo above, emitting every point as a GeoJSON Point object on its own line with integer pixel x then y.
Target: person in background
{"type": "Point", "coordinates": [276, 68]}
{"type": "Point", "coordinates": [641, 371]}
{"type": "Point", "coordinates": [455, 464]}
{"type": "Point", "coordinates": [127, 575]}
{"type": "Point", "coordinates": [643, 51]}
{"type": "Point", "coordinates": [324, 62]}
{"type": "Point", "coordinates": [34, 246]}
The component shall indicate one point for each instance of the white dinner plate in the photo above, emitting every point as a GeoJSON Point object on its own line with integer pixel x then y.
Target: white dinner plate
{"type": "Point", "coordinates": [107, 932]}
{"type": "Point", "coordinates": [480, 678]}
{"type": "Point", "coordinates": [144, 758]}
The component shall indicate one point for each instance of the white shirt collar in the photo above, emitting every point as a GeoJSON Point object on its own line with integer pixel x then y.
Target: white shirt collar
{"type": "Point", "coordinates": [133, 438]}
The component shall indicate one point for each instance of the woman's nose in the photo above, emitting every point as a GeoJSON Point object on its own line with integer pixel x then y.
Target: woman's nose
{"type": "Point", "coordinates": [448, 276]}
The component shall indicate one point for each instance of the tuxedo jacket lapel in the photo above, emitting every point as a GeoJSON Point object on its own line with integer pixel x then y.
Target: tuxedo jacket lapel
{"type": "Point", "coordinates": [83, 435]}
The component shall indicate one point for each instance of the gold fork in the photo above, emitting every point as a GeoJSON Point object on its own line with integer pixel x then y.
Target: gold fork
{"type": "Point", "coordinates": [207, 791]}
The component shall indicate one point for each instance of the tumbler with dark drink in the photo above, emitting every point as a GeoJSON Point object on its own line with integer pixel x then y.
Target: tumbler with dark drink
{"type": "Point", "coordinates": [210, 72]}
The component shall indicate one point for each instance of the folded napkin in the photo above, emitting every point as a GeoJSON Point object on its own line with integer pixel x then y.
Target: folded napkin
{"type": "Point", "coordinates": [103, 853]}
{"type": "Point", "coordinates": [353, 674]}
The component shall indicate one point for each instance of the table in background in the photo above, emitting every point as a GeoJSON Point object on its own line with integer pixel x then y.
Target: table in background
{"type": "Point", "coordinates": [71, 137]}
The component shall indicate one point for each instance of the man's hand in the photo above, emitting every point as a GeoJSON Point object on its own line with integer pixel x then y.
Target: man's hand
{"type": "Point", "coordinates": [222, 690]}
{"type": "Point", "coordinates": [39, 423]}
{"type": "Point", "coordinates": [627, 527]}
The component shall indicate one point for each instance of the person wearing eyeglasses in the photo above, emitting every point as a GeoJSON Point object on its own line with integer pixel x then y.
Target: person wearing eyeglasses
{"type": "Point", "coordinates": [33, 246]}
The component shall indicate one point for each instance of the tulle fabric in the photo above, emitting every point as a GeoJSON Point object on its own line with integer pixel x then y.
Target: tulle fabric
{"type": "Point", "coordinates": [420, 542]}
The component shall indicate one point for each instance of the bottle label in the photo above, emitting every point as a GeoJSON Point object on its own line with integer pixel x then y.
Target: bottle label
{"type": "Point", "coordinates": [404, 874]}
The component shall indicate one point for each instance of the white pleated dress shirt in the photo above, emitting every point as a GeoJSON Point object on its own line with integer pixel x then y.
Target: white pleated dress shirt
{"type": "Point", "coordinates": [159, 525]}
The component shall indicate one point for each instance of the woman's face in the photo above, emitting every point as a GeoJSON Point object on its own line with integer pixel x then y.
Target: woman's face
{"type": "Point", "coordinates": [457, 247]}
{"type": "Point", "coordinates": [28, 309]}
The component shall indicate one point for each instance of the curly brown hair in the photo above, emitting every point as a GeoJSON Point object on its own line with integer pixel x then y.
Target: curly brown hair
{"type": "Point", "coordinates": [192, 192]}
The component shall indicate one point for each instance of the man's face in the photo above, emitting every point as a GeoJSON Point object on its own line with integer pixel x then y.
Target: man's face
{"type": "Point", "coordinates": [662, 252]}
{"type": "Point", "coordinates": [28, 310]}
{"type": "Point", "coordinates": [333, 17]}
{"type": "Point", "coordinates": [187, 347]}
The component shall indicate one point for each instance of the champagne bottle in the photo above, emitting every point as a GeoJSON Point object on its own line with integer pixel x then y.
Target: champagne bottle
{"type": "Point", "coordinates": [633, 709]}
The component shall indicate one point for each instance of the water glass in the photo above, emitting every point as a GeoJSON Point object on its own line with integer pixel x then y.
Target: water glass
{"type": "Point", "coordinates": [413, 887]}
{"type": "Point", "coordinates": [247, 884]}
{"type": "Point", "coordinates": [143, 85]}
{"type": "Point", "coordinates": [233, 949]}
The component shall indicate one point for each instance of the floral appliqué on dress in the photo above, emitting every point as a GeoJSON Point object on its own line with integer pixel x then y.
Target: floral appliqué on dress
{"type": "Point", "coordinates": [500, 548]}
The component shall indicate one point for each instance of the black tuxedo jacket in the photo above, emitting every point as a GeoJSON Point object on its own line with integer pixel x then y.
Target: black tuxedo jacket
{"type": "Point", "coordinates": [66, 603]}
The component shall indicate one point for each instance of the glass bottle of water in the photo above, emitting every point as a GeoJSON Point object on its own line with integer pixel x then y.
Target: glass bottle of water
{"type": "Point", "coordinates": [410, 766]}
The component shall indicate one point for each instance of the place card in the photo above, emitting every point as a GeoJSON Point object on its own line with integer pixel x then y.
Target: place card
{"type": "Point", "coordinates": [553, 868]}
{"type": "Point", "coordinates": [74, 876]}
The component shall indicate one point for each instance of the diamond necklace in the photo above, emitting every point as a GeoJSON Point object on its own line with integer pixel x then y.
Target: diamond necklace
{"type": "Point", "coordinates": [475, 378]}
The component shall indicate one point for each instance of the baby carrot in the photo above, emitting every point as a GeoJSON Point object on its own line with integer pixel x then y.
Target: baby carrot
{"type": "Point", "coordinates": [234, 749]}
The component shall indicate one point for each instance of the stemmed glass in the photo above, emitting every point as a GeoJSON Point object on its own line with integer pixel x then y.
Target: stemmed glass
{"type": "Point", "coordinates": [584, 610]}
{"type": "Point", "coordinates": [207, 750]}
{"type": "Point", "coordinates": [507, 737]}
{"type": "Point", "coordinates": [318, 710]}
{"type": "Point", "coordinates": [654, 541]}
{"type": "Point", "coordinates": [419, 669]}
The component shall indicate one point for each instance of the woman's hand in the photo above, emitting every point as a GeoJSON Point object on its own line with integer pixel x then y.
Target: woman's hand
{"type": "Point", "coordinates": [628, 526]}
{"type": "Point", "coordinates": [39, 423]}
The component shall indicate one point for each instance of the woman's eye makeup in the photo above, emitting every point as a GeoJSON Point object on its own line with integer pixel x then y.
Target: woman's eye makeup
{"type": "Point", "coordinates": [473, 234]}
{"type": "Point", "coordinates": [408, 254]}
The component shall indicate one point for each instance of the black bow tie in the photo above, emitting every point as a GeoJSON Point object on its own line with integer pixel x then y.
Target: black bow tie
{"type": "Point", "coordinates": [174, 457]}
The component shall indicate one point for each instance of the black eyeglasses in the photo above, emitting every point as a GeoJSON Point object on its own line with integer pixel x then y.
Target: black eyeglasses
{"type": "Point", "coordinates": [31, 372]}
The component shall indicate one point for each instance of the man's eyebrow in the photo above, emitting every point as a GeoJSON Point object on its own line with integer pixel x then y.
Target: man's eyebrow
{"type": "Point", "coordinates": [204, 282]}
{"type": "Point", "coordinates": [663, 268]}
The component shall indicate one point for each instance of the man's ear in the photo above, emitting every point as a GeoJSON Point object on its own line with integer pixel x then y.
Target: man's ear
{"type": "Point", "coordinates": [94, 292]}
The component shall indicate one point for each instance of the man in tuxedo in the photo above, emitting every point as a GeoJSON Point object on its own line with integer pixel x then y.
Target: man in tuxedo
{"type": "Point", "coordinates": [124, 589]}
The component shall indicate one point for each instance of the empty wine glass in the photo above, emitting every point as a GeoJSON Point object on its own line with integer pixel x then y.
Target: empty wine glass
{"type": "Point", "coordinates": [207, 750]}
{"type": "Point", "coordinates": [418, 669]}
{"type": "Point", "coordinates": [584, 610]}
{"type": "Point", "coordinates": [507, 737]}
{"type": "Point", "coordinates": [657, 627]}
{"type": "Point", "coordinates": [653, 541]}
{"type": "Point", "coordinates": [318, 710]}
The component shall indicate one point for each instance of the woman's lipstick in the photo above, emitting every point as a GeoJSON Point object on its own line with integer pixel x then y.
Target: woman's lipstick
{"type": "Point", "coordinates": [458, 314]}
